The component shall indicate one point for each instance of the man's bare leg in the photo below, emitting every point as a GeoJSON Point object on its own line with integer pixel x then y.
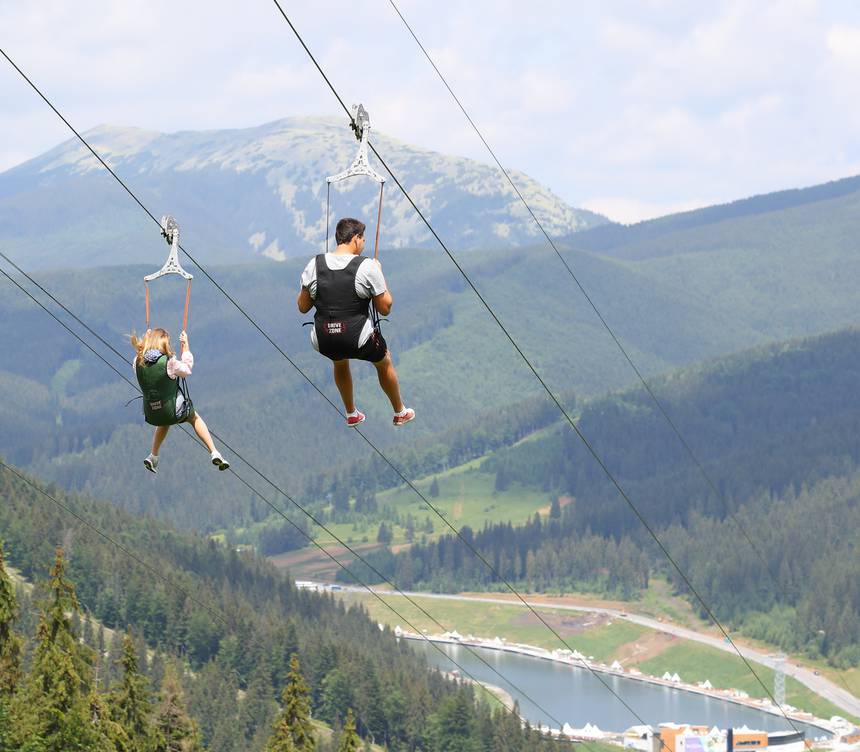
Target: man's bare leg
{"type": "Point", "coordinates": [343, 382]}
{"type": "Point", "coordinates": [388, 381]}
{"type": "Point", "coordinates": [158, 437]}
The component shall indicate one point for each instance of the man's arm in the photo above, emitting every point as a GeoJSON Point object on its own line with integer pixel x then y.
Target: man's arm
{"type": "Point", "coordinates": [383, 303]}
{"type": "Point", "coordinates": [304, 301]}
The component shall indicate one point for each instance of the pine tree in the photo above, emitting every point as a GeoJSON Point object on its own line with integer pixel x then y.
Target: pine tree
{"type": "Point", "coordinates": [384, 535]}
{"type": "Point", "coordinates": [293, 729]}
{"type": "Point", "coordinates": [452, 724]}
{"type": "Point", "coordinates": [503, 478]}
{"type": "Point", "coordinates": [349, 740]}
{"type": "Point", "coordinates": [52, 712]}
{"type": "Point", "coordinates": [130, 703]}
{"type": "Point", "coordinates": [258, 706]}
{"type": "Point", "coordinates": [434, 488]}
{"type": "Point", "coordinates": [281, 739]}
{"type": "Point", "coordinates": [212, 701]}
{"type": "Point", "coordinates": [112, 736]}
{"type": "Point", "coordinates": [336, 695]}
{"type": "Point", "coordinates": [175, 730]}
{"type": "Point", "coordinates": [10, 643]}
{"type": "Point", "coordinates": [5, 728]}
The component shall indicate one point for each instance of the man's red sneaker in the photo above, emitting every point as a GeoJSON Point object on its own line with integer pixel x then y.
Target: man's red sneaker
{"type": "Point", "coordinates": [404, 417]}
{"type": "Point", "coordinates": [357, 417]}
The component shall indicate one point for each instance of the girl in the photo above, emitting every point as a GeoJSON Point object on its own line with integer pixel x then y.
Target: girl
{"type": "Point", "coordinates": [165, 399]}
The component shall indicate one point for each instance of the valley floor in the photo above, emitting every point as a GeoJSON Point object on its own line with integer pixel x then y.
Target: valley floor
{"type": "Point", "coordinates": [610, 631]}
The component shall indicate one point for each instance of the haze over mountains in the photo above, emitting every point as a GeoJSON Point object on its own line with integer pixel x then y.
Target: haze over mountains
{"type": "Point", "coordinates": [255, 192]}
{"type": "Point", "coordinates": [776, 426]}
{"type": "Point", "coordinates": [744, 280]}
{"type": "Point", "coordinates": [676, 291]}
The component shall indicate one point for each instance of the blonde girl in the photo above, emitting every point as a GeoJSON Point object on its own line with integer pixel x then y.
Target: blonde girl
{"type": "Point", "coordinates": [161, 376]}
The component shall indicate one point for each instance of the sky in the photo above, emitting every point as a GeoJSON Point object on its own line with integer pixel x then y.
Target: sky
{"type": "Point", "coordinates": [632, 109]}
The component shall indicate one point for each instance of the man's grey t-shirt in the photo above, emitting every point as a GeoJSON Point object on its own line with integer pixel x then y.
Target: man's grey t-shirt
{"type": "Point", "coordinates": [369, 282]}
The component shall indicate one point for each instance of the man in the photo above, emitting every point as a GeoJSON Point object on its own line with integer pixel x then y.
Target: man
{"type": "Point", "coordinates": [341, 286]}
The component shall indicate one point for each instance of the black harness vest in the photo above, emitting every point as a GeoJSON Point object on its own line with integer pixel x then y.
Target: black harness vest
{"type": "Point", "coordinates": [340, 313]}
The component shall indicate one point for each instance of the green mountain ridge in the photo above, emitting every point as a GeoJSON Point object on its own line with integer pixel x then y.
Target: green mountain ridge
{"type": "Point", "coordinates": [621, 240]}
{"type": "Point", "coordinates": [765, 277]}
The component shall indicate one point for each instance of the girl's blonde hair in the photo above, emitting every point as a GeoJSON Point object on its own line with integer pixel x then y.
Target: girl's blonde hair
{"type": "Point", "coordinates": [154, 339]}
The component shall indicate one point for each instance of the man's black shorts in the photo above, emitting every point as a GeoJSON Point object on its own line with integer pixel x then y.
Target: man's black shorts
{"type": "Point", "coordinates": [373, 350]}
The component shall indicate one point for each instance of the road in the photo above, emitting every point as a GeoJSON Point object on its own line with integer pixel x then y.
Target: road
{"type": "Point", "coordinates": [821, 685]}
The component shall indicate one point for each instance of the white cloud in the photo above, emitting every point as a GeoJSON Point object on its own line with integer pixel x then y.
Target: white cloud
{"type": "Point", "coordinates": [843, 42]}
{"type": "Point", "coordinates": [274, 252]}
{"type": "Point", "coordinates": [641, 101]}
{"type": "Point", "coordinates": [256, 240]}
{"type": "Point", "coordinates": [544, 92]}
{"type": "Point", "coordinates": [264, 81]}
{"type": "Point", "coordinates": [628, 209]}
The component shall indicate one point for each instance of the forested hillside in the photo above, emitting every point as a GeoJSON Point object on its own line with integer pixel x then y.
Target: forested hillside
{"type": "Point", "coordinates": [777, 431]}
{"type": "Point", "coordinates": [231, 668]}
{"type": "Point", "coordinates": [765, 276]}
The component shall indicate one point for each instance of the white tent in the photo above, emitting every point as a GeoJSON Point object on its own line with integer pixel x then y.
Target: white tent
{"type": "Point", "coordinates": [707, 685]}
{"type": "Point", "coordinates": [616, 666]}
{"type": "Point", "coordinates": [667, 676]}
{"type": "Point", "coordinates": [676, 678]}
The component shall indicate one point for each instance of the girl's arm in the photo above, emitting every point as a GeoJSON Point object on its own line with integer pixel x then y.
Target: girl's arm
{"type": "Point", "coordinates": [180, 369]}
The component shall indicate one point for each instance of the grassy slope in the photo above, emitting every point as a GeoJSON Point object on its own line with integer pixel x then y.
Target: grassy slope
{"type": "Point", "coordinates": [696, 663]}
{"type": "Point", "coordinates": [512, 622]}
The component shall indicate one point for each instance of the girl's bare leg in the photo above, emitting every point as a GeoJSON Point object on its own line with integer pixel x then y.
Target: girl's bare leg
{"type": "Point", "coordinates": [203, 432]}
{"type": "Point", "coordinates": [158, 437]}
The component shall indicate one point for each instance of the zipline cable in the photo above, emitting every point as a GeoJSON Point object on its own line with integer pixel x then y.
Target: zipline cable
{"type": "Point", "coordinates": [260, 496]}
{"type": "Point", "coordinates": [493, 315]}
{"type": "Point", "coordinates": [304, 533]}
{"type": "Point", "coordinates": [546, 388]}
{"type": "Point", "coordinates": [661, 408]}
{"type": "Point", "coordinates": [379, 452]}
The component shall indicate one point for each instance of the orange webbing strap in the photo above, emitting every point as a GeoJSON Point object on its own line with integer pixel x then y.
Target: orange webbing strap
{"type": "Point", "coordinates": [187, 303]}
{"type": "Point", "coordinates": [146, 285]}
{"type": "Point", "coordinates": [378, 222]}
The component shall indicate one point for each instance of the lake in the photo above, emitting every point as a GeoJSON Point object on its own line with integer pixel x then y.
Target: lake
{"type": "Point", "coordinates": [574, 695]}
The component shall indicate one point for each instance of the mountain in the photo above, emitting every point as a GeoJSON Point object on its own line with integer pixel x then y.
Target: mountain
{"type": "Point", "coordinates": [782, 271]}
{"type": "Point", "coordinates": [255, 192]}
